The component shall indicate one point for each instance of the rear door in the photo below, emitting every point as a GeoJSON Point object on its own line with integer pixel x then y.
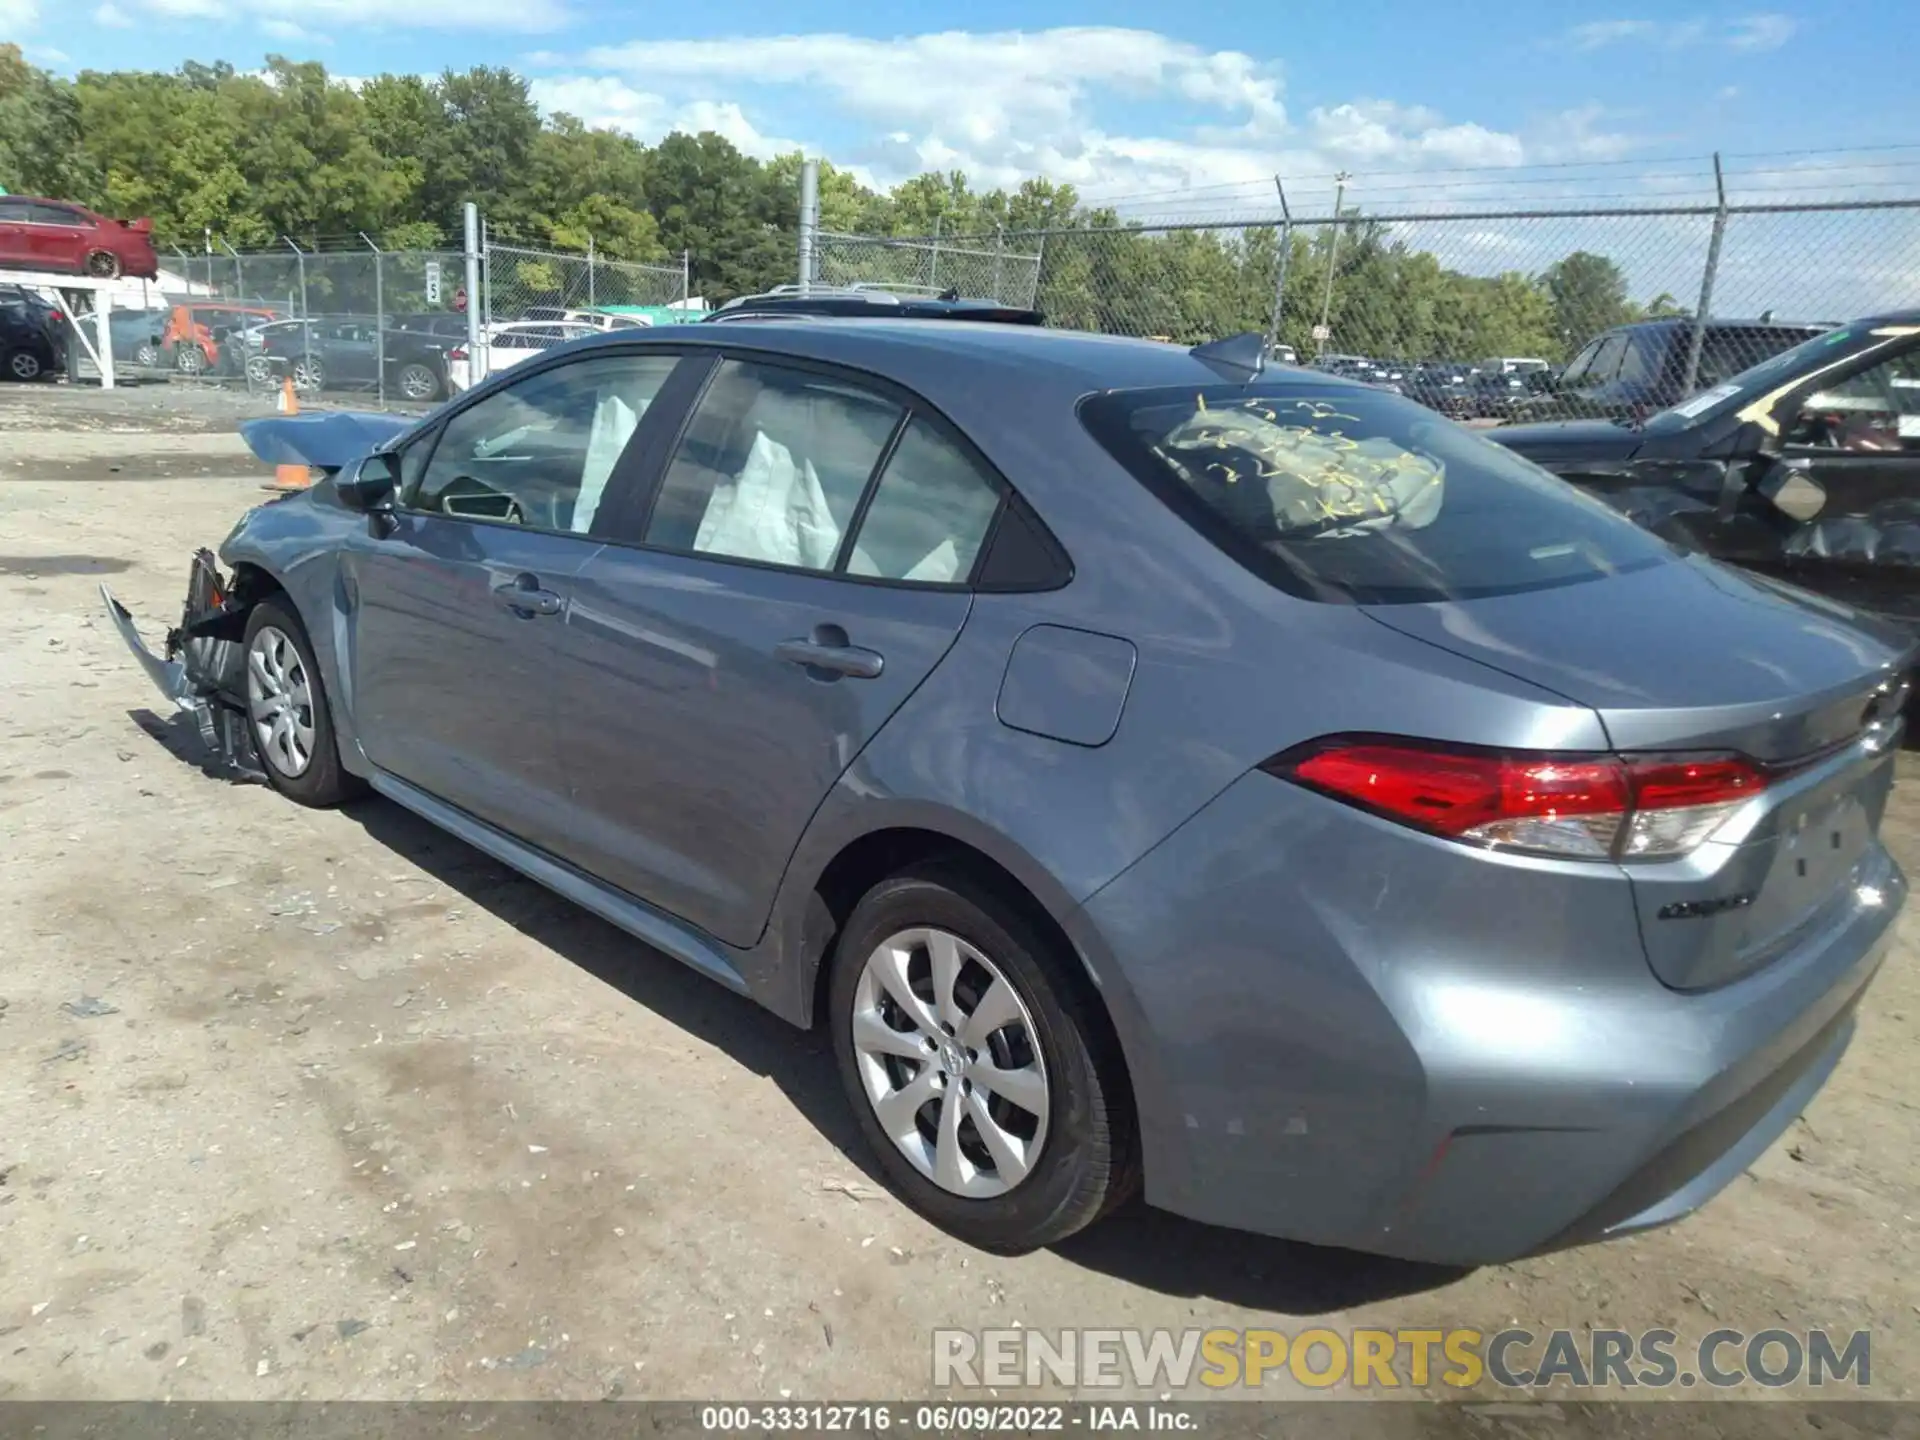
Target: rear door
{"type": "Point", "coordinates": [800, 568]}
{"type": "Point", "coordinates": [457, 609]}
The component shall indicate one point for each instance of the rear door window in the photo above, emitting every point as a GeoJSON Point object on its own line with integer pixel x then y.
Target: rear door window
{"type": "Point", "coordinates": [1359, 496]}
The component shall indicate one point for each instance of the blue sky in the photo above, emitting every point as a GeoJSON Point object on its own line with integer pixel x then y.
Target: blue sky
{"type": "Point", "coordinates": [1128, 99]}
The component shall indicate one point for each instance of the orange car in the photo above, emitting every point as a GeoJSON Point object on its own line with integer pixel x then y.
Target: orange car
{"type": "Point", "coordinates": [198, 332]}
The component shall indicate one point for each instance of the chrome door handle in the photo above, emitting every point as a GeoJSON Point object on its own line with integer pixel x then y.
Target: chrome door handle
{"type": "Point", "coordinates": [848, 660]}
{"type": "Point", "coordinates": [524, 597]}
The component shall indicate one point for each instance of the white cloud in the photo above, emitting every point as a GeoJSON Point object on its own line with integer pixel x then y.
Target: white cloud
{"type": "Point", "coordinates": [1008, 105]}
{"type": "Point", "coordinates": [1765, 31]}
{"type": "Point", "coordinates": [18, 14]}
{"type": "Point", "coordinates": [1762, 32]}
{"type": "Point", "coordinates": [112, 17]}
{"type": "Point", "coordinates": [281, 18]}
{"type": "Point", "coordinates": [1379, 132]}
{"type": "Point", "coordinates": [606, 102]}
{"type": "Point", "coordinates": [281, 29]}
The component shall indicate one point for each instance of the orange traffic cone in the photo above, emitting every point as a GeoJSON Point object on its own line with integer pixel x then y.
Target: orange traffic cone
{"type": "Point", "coordinates": [289, 477]}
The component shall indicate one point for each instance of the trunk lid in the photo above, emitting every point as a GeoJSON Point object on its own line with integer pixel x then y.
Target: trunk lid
{"type": "Point", "coordinates": [1692, 656]}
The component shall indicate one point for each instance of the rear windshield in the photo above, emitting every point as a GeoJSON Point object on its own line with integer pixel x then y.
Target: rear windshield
{"type": "Point", "coordinates": [1359, 496]}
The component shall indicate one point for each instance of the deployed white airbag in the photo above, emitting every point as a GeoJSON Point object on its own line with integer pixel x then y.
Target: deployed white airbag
{"type": "Point", "coordinates": [614, 422]}
{"type": "Point", "coordinates": [774, 510]}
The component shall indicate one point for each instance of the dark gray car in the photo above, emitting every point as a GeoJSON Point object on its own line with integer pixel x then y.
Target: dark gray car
{"type": "Point", "coordinates": [1150, 771]}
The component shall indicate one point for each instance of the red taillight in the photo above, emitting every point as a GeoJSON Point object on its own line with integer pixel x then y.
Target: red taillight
{"type": "Point", "coordinates": [1595, 807]}
{"type": "Point", "coordinates": [459, 352]}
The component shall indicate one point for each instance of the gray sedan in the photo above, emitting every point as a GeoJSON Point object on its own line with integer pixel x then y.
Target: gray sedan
{"type": "Point", "coordinates": [1153, 771]}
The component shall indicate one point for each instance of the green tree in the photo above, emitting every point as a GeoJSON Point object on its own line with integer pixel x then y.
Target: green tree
{"type": "Point", "coordinates": [1589, 294]}
{"type": "Point", "coordinates": [39, 129]}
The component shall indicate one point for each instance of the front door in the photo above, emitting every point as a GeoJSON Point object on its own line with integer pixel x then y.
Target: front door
{"type": "Point", "coordinates": [733, 651]}
{"type": "Point", "coordinates": [457, 612]}
{"type": "Point", "coordinates": [1859, 438]}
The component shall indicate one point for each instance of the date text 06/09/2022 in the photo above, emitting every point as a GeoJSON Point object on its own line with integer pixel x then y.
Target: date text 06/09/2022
{"type": "Point", "coordinates": [942, 1419]}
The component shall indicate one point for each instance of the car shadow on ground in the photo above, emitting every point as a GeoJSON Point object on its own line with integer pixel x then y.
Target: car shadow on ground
{"type": "Point", "coordinates": [1137, 1245]}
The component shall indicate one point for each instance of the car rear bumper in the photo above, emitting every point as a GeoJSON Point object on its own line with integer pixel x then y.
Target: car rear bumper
{"type": "Point", "coordinates": [1346, 1033]}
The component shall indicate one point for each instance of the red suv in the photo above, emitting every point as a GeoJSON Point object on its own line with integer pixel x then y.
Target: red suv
{"type": "Point", "coordinates": [56, 235]}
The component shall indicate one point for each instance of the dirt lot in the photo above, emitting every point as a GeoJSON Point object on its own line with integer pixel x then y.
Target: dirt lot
{"type": "Point", "coordinates": [329, 1105]}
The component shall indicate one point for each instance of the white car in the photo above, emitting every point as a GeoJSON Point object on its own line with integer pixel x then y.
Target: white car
{"type": "Point", "coordinates": [598, 319]}
{"type": "Point", "coordinates": [508, 343]}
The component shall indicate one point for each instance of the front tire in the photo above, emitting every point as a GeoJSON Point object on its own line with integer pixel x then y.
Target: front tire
{"type": "Point", "coordinates": [287, 710]}
{"type": "Point", "coordinates": [978, 1070]}
{"type": "Point", "coordinates": [146, 354]}
{"type": "Point", "coordinates": [103, 265]}
{"type": "Point", "coordinates": [190, 359]}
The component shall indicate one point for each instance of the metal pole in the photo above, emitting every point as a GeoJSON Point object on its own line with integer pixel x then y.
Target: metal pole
{"type": "Point", "coordinates": [239, 275]}
{"type": "Point", "coordinates": [809, 220]}
{"type": "Point", "coordinates": [686, 280]}
{"type": "Point", "coordinates": [1333, 254]}
{"type": "Point", "coordinates": [1280, 276]}
{"type": "Point", "coordinates": [306, 305]}
{"type": "Point", "coordinates": [999, 261]}
{"type": "Point", "coordinates": [379, 322]}
{"type": "Point", "coordinates": [470, 238]}
{"type": "Point", "coordinates": [1039, 265]}
{"type": "Point", "coordinates": [590, 295]}
{"type": "Point", "coordinates": [1701, 314]}
{"type": "Point", "coordinates": [933, 274]}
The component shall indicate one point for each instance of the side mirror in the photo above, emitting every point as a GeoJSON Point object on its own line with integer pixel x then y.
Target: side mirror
{"type": "Point", "coordinates": [1794, 492]}
{"type": "Point", "coordinates": [370, 488]}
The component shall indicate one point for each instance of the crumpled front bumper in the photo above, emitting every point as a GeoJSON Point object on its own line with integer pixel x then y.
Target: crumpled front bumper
{"type": "Point", "coordinates": [203, 669]}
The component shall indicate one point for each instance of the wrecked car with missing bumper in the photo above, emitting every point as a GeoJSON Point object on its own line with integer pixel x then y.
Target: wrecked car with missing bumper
{"type": "Point", "coordinates": [1805, 467]}
{"type": "Point", "coordinates": [203, 668]}
{"type": "Point", "coordinates": [1158, 771]}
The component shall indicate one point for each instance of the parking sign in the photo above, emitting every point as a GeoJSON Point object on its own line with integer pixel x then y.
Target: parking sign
{"type": "Point", "coordinates": [433, 282]}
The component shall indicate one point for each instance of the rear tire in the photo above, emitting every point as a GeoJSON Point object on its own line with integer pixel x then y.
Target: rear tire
{"type": "Point", "coordinates": [309, 375]}
{"type": "Point", "coordinates": [1024, 1130]}
{"type": "Point", "coordinates": [24, 366]}
{"type": "Point", "coordinates": [190, 359]}
{"type": "Point", "coordinates": [418, 382]}
{"type": "Point", "coordinates": [287, 712]}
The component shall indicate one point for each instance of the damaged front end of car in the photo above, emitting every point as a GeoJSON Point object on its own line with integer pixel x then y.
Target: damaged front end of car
{"type": "Point", "coordinates": [203, 670]}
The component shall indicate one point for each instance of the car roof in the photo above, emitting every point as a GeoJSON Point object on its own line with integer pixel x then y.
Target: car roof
{"type": "Point", "coordinates": [880, 304]}
{"type": "Point", "coordinates": [1032, 360]}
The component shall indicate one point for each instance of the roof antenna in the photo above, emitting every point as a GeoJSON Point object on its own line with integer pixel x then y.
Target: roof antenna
{"type": "Point", "coordinates": [1240, 358]}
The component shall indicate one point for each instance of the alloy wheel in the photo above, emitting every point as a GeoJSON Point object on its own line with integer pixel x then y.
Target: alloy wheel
{"type": "Point", "coordinates": [146, 355]}
{"type": "Point", "coordinates": [307, 375]}
{"type": "Point", "coordinates": [23, 365]}
{"type": "Point", "coordinates": [417, 383]}
{"type": "Point", "coordinates": [280, 702]}
{"type": "Point", "coordinates": [950, 1060]}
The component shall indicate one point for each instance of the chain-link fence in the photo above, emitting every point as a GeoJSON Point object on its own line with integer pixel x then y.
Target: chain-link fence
{"type": "Point", "coordinates": [1481, 312]}
{"type": "Point", "coordinates": [357, 322]}
{"type": "Point", "coordinates": [978, 268]}
{"type": "Point", "coordinates": [363, 324]}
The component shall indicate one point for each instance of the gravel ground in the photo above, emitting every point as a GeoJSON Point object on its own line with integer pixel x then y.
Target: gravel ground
{"type": "Point", "coordinates": [304, 1105]}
